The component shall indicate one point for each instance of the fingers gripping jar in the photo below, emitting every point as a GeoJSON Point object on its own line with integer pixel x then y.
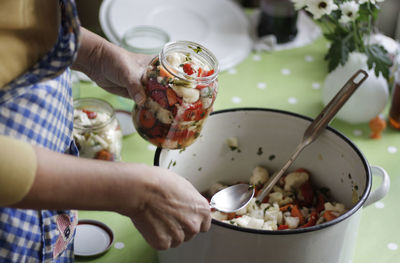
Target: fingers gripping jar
{"type": "Point", "coordinates": [96, 130]}
{"type": "Point", "coordinates": [181, 86]}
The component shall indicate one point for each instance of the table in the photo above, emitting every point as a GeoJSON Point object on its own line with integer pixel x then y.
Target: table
{"type": "Point", "coordinates": [290, 80]}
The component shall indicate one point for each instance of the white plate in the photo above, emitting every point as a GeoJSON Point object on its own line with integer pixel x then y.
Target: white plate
{"type": "Point", "coordinates": [92, 238]}
{"type": "Point", "coordinates": [219, 25]}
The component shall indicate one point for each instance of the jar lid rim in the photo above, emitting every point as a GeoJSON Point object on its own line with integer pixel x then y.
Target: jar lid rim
{"type": "Point", "coordinates": [145, 39]}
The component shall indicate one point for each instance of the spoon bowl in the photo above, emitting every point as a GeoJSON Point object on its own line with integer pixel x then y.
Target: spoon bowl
{"type": "Point", "coordinates": [232, 198]}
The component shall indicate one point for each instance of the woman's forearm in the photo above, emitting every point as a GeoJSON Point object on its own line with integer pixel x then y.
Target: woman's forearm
{"type": "Point", "coordinates": [90, 49]}
{"type": "Point", "coordinates": [67, 182]}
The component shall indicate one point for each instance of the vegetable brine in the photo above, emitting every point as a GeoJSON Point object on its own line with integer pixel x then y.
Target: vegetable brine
{"type": "Point", "coordinates": [181, 86]}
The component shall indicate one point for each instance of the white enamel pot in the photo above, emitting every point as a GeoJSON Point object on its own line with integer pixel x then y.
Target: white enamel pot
{"type": "Point", "coordinates": [267, 137]}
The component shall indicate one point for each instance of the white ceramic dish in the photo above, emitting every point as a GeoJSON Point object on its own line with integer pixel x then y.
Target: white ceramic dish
{"type": "Point", "coordinates": [267, 137]}
{"type": "Point", "coordinates": [221, 25]}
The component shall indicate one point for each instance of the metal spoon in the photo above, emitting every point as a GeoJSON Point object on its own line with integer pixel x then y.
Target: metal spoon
{"type": "Point", "coordinates": [235, 197]}
{"type": "Point", "coordinates": [232, 198]}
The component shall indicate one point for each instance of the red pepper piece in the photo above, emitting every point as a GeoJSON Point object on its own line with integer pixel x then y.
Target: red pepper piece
{"type": "Point", "coordinates": [307, 193]}
{"type": "Point", "coordinates": [187, 68]}
{"type": "Point", "coordinates": [153, 85]}
{"type": "Point", "coordinates": [90, 114]}
{"type": "Point", "coordinates": [195, 112]}
{"type": "Point", "coordinates": [209, 73]}
{"type": "Point", "coordinates": [320, 203]}
{"type": "Point", "coordinates": [312, 220]}
{"type": "Point", "coordinates": [283, 227]}
{"type": "Point", "coordinates": [160, 97]}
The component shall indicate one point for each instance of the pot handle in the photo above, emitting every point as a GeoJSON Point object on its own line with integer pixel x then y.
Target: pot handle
{"type": "Point", "coordinates": [382, 190]}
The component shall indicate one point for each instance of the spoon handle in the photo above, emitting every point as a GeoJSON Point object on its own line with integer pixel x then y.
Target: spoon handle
{"type": "Point", "coordinates": [319, 124]}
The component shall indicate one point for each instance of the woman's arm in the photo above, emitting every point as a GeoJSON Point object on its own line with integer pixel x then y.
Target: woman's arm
{"type": "Point", "coordinates": [164, 207]}
{"type": "Point", "coordinates": [111, 67]}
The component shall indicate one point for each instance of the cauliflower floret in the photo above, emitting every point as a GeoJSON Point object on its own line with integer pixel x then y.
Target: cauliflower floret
{"type": "Point", "coordinates": [337, 207]}
{"type": "Point", "coordinates": [292, 222]}
{"type": "Point", "coordinates": [242, 221]}
{"type": "Point", "coordinates": [257, 213]}
{"type": "Point", "coordinates": [219, 216]}
{"type": "Point", "coordinates": [275, 197]}
{"type": "Point", "coordinates": [269, 225]}
{"type": "Point", "coordinates": [273, 213]}
{"type": "Point", "coordinates": [294, 180]}
{"type": "Point", "coordinates": [233, 143]}
{"type": "Point", "coordinates": [175, 59]}
{"type": "Point", "coordinates": [252, 205]}
{"type": "Point", "coordinates": [256, 223]}
{"type": "Point", "coordinates": [260, 176]}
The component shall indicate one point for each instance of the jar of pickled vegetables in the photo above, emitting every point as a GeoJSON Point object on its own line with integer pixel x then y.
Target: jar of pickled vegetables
{"type": "Point", "coordinates": [181, 86]}
{"type": "Point", "coordinates": [96, 130]}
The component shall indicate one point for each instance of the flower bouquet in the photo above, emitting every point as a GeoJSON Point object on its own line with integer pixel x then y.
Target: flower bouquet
{"type": "Point", "coordinates": [348, 25]}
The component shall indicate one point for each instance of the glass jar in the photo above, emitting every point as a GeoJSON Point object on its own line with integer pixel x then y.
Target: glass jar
{"type": "Point", "coordinates": [96, 130]}
{"type": "Point", "coordinates": [181, 86]}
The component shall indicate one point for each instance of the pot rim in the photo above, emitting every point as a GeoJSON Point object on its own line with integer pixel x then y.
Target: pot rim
{"type": "Point", "coordinates": [346, 215]}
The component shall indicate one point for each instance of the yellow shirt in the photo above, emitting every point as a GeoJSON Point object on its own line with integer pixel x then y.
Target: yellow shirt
{"type": "Point", "coordinates": [17, 169]}
{"type": "Point", "coordinates": [28, 30]}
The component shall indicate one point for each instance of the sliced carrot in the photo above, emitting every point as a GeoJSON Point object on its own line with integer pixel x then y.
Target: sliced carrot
{"type": "Point", "coordinates": [104, 155]}
{"type": "Point", "coordinates": [146, 119]}
{"type": "Point", "coordinates": [231, 215]}
{"type": "Point", "coordinates": [286, 207]}
{"type": "Point", "coordinates": [297, 213]}
{"type": "Point", "coordinates": [164, 73]}
{"type": "Point", "coordinates": [172, 97]}
{"type": "Point", "coordinates": [328, 215]}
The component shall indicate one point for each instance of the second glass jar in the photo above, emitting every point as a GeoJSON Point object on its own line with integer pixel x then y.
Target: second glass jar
{"type": "Point", "coordinates": [181, 86]}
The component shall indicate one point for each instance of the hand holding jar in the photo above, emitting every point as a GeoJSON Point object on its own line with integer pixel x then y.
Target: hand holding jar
{"type": "Point", "coordinates": [181, 86]}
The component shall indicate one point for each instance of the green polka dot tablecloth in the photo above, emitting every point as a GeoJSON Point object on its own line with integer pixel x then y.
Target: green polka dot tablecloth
{"type": "Point", "coordinates": [289, 80]}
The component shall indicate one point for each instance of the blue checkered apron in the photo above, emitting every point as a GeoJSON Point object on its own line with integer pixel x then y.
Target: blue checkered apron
{"type": "Point", "coordinates": [37, 108]}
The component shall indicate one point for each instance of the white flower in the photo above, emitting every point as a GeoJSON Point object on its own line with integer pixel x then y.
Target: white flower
{"type": "Point", "coordinates": [299, 4]}
{"type": "Point", "coordinates": [349, 12]}
{"type": "Point", "coordinates": [318, 8]}
{"type": "Point", "coordinates": [371, 1]}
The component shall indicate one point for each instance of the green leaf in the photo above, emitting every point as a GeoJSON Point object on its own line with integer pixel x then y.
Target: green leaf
{"type": "Point", "coordinates": [378, 59]}
{"type": "Point", "coordinates": [341, 46]}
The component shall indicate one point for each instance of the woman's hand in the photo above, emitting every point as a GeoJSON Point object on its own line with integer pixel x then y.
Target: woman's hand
{"type": "Point", "coordinates": [111, 67]}
{"type": "Point", "coordinates": [172, 210]}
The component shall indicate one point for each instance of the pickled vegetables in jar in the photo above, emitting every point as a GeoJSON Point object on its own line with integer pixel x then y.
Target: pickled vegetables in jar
{"type": "Point", "coordinates": [97, 132]}
{"type": "Point", "coordinates": [181, 86]}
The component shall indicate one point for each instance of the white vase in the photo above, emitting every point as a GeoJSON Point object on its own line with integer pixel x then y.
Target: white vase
{"type": "Point", "coordinates": [368, 101]}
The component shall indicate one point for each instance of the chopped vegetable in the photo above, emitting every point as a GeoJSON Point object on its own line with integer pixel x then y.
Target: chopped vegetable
{"type": "Point", "coordinates": [303, 206]}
